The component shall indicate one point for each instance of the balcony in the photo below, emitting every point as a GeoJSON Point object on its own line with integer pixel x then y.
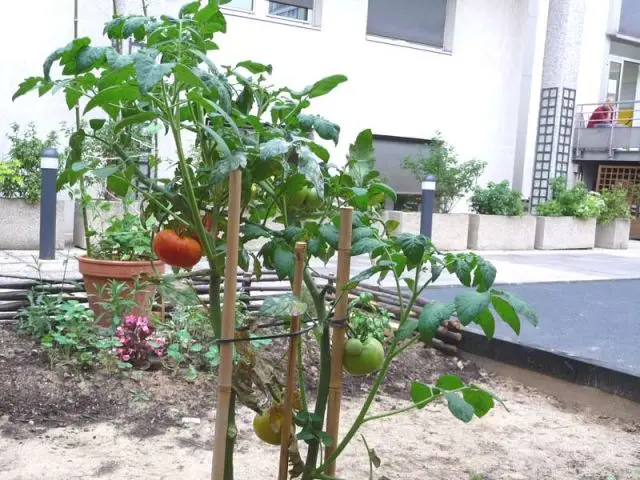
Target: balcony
{"type": "Point", "coordinates": [618, 141]}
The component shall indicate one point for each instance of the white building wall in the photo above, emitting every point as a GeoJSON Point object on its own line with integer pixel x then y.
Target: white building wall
{"type": "Point", "coordinates": [594, 52]}
{"type": "Point", "coordinates": [471, 95]}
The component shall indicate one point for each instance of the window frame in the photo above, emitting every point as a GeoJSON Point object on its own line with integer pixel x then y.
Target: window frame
{"type": "Point", "coordinates": [447, 39]}
{"type": "Point", "coordinates": [260, 11]}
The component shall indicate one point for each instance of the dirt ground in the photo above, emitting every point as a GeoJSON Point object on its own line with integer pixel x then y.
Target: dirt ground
{"type": "Point", "coordinates": [61, 424]}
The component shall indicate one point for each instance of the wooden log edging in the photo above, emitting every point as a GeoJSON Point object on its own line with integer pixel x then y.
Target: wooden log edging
{"type": "Point", "coordinates": [14, 292]}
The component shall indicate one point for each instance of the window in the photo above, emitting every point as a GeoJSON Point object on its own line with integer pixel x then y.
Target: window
{"type": "Point", "coordinates": [424, 22]}
{"type": "Point", "coordinates": [390, 153]}
{"type": "Point", "coordinates": [306, 11]}
{"type": "Point", "coordinates": [240, 4]}
{"type": "Point", "coordinates": [296, 10]}
{"type": "Point", "coordinates": [630, 18]}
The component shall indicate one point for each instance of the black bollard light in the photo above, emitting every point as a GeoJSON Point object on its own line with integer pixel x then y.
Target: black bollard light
{"type": "Point", "coordinates": [428, 205]}
{"type": "Point", "coordinates": [48, 177]}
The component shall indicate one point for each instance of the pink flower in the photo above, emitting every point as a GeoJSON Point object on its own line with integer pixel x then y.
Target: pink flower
{"type": "Point", "coordinates": [125, 358]}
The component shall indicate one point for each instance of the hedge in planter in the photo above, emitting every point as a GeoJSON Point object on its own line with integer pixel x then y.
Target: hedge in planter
{"type": "Point", "coordinates": [499, 223]}
{"type": "Point", "coordinates": [614, 224]}
{"type": "Point", "coordinates": [20, 191]}
{"type": "Point", "coordinates": [568, 220]}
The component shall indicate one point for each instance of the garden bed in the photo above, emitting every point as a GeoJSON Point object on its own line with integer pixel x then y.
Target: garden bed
{"type": "Point", "coordinates": [155, 425]}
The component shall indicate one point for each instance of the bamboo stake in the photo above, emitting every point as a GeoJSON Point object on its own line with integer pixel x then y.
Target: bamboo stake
{"type": "Point", "coordinates": [225, 374]}
{"type": "Point", "coordinates": [337, 349]}
{"type": "Point", "coordinates": [285, 440]}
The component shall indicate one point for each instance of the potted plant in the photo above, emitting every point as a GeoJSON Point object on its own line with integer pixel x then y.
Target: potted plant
{"type": "Point", "coordinates": [20, 191]}
{"type": "Point", "coordinates": [500, 223]}
{"type": "Point", "coordinates": [568, 220]}
{"type": "Point", "coordinates": [120, 258]}
{"type": "Point", "coordinates": [454, 180]}
{"type": "Point", "coordinates": [614, 220]}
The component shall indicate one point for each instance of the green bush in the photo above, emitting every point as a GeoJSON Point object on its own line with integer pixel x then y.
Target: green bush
{"type": "Point", "coordinates": [616, 205]}
{"type": "Point", "coordinates": [574, 202]}
{"type": "Point", "coordinates": [497, 199]}
{"type": "Point", "coordinates": [453, 179]}
{"type": "Point", "coordinates": [20, 174]}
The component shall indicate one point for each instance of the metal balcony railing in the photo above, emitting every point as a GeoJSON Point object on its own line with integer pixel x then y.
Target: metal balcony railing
{"type": "Point", "coordinates": [618, 139]}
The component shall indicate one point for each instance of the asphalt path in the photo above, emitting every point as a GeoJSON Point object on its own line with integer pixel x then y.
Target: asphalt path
{"type": "Point", "coordinates": [598, 321]}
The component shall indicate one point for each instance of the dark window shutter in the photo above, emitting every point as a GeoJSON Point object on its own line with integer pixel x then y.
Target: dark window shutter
{"type": "Point", "coordinates": [418, 21]}
{"type": "Point", "coordinates": [630, 18]}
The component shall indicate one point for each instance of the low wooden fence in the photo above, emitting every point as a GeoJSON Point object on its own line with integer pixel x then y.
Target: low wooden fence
{"type": "Point", "coordinates": [15, 291]}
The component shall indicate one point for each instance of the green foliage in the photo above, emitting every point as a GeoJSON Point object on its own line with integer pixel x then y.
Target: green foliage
{"type": "Point", "coordinates": [497, 199]}
{"type": "Point", "coordinates": [616, 205]}
{"type": "Point", "coordinates": [291, 192]}
{"type": "Point", "coordinates": [574, 202]}
{"type": "Point", "coordinates": [191, 341]}
{"type": "Point", "coordinates": [368, 320]}
{"type": "Point", "coordinates": [454, 179]}
{"type": "Point", "coordinates": [20, 174]}
{"type": "Point", "coordinates": [126, 238]}
{"type": "Point", "coordinates": [65, 329]}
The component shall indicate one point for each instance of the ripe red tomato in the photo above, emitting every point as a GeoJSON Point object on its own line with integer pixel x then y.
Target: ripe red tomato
{"type": "Point", "coordinates": [176, 250]}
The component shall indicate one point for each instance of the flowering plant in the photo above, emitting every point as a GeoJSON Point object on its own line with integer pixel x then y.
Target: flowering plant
{"type": "Point", "coordinates": [137, 340]}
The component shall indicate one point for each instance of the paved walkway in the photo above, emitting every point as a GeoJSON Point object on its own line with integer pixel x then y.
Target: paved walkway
{"type": "Point", "coordinates": [513, 267]}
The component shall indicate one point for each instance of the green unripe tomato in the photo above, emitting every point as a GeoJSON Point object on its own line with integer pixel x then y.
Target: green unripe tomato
{"type": "Point", "coordinates": [297, 198]}
{"type": "Point", "coordinates": [363, 358]}
{"type": "Point", "coordinates": [313, 201]}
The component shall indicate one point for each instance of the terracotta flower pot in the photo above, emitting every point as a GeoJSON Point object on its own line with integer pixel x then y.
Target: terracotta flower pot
{"type": "Point", "coordinates": [98, 273]}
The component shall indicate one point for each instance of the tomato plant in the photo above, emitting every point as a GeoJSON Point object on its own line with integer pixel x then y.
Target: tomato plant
{"type": "Point", "coordinates": [290, 192]}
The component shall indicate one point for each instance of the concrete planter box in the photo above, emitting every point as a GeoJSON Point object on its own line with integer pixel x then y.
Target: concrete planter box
{"type": "Point", "coordinates": [565, 233]}
{"type": "Point", "coordinates": [614, 235]}
{"type": "Point", "coordinates": [499, 232]}
{"type": "Point", "coordinates": [450, 230]}
{"type": "Point", "coordinates": [97, 217]}
{"type": "Point", "coordinates": [21, 224]}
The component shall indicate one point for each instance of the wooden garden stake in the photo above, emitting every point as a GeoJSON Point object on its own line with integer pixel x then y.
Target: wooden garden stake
{"type": "Point", "coordinates": [301, 254]}
{"type": "Point", "coordinates": [225, 374]}
{"type": "Point", "coordinates": [337, 339]}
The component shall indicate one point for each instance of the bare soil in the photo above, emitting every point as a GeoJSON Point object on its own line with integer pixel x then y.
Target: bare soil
{"type": "Point", "coordinates": [66, 424]}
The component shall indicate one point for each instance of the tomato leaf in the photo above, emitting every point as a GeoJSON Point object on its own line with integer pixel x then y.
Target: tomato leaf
{"type": "Point", "coordinates": [422, 394]}
{"type": "Point", "coordinates": [469, 305]}
{"type": "Point", "coordinates": [284, 261]}
{"type": "Point", "coordinates": [480, 400]}
{"type": "Point", "coordinates": [506, 312]}
{"type": "Point", "coordinates": [458, 407]}
{"type": "Point", "coordinates": [283, 306]}
{"type": "Point", "coordinates": [449, 382]}
{"type": "Point", "coordinates": [309, 166]}
{"type": "Point", "coordinates": [522, 308]}
{"type": "Point", "coordinates": [433, 315]}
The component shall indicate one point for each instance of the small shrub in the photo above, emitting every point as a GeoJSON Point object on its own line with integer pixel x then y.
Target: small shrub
{"type": "Point", "coordinates": [20, 175]}
{"type": "Point", "coordinates": [453, 179]}
{"type": "Point", "coordinates": [616, 205]}
{"type": "Point", "coordinates": [574, 202]}
{"type": "Point", "coordinates": [497, 199]}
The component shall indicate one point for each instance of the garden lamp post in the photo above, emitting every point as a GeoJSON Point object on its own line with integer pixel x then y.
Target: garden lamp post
{"type": "Point", "coordinates": [428, 204]}
{"type": "Point", "coordinates": [48, 177]}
